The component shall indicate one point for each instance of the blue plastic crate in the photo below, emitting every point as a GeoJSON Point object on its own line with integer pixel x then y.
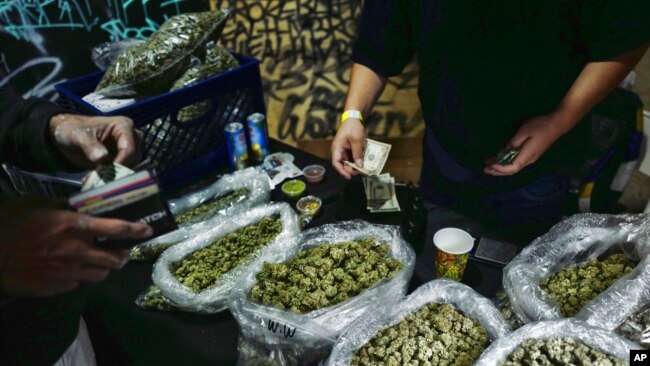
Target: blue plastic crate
{"type": "Point", "coordinates": [182, 151]}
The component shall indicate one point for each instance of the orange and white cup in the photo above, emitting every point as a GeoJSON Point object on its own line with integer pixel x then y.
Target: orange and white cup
{"type": "Point", "coordinates": [452, 251]}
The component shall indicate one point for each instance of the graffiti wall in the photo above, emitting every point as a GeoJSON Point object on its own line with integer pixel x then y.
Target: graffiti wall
{"type": "Point", "coordinates": [305, 48]}
{"type": "Point", "coordinates": [43, 42]}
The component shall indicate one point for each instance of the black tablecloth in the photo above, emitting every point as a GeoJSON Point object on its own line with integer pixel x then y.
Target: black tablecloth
{"type": "Point", "coordinates": [123, 333]}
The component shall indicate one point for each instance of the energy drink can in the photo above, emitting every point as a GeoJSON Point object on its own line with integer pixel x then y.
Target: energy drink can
{"type": "Point", "coordinates": [256, 125]}
{"type": "Point", "coordinates": [237, 148]}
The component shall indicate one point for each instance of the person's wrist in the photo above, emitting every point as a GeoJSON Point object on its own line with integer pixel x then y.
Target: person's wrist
{"type": "Point", "coordinates": [563, 120]}
{"type": "Point", "coordinates": [351, 114]}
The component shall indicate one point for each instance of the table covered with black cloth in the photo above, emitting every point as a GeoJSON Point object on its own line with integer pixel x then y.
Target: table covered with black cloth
{"type": "Point", "coordinates": [123, 333]}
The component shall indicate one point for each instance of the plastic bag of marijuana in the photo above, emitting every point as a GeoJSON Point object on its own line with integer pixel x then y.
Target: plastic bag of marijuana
{"type": "Point", "coordinates": [105, 53]}
{"type": "Point", "coordinates": [152, 249]}
{"type": "Point", "coordinates": [575, 242]}
{"type": "Point", "coordinates": [231, 194]}
{"type": "Point", "coordinates": [598, 339]}
{"type": "Point", "coordinates": [270, 335]}
{"type": "Point", "coordinates": [206, 291]}
{"type": "Point", "coordinates": [217, 60]}
{"type": "Point", "coordinates": [624, 307]}
{"type": "Point", "coordinates": [384, 316]}
{"type": "Point", "coordinates": [151, 68]}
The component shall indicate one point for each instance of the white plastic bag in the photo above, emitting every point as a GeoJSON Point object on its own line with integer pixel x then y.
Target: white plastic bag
{"type": "Point", "coordinates": [386, 315]}
{"type": "Point", "coordinates": [273, 336]}
{"type": "Point", "coordinates": [620, 301]}
{"type": "Point", "coordinates": [596, 338]}
{"type": "Point", "coordinates": [214, 299]}
{"type": "Point", "coordinates": [257, 184]}
{"type": "Point", "coordinates": [575, 240]}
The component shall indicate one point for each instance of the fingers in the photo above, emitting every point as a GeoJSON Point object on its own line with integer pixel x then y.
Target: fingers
{"type": "Point", "coordinates": [339, 155]}
{"type": "Point", "coordinates": [104, 258]}
{"type": "Point", "coordinates": [521, 161]}
{"type": "Point", "coordinates": [127, 140]}
{"type": "Point", "coordinates": [502, 170]}
{"type": "Point", "coordinates": [114, 228]}
{"type": "Point", "coordinates": [356, 143]}
{"type": "Point", "coordinates": [91, 273]}
{"type": "Point", "coordinates": [348, 141]}
{"type": "Point", "coordinates": [86, 140]}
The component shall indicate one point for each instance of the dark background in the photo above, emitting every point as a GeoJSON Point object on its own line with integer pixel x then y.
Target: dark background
{"type": "Point", "coordinates": [45, 42]}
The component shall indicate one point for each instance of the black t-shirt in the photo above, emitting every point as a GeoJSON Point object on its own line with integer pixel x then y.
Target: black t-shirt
{"type": "Point", "coordinates": [487, 66]}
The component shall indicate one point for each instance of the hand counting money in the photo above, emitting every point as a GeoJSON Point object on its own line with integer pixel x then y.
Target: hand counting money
{"type": "Point", "coordinates": [375, 154]}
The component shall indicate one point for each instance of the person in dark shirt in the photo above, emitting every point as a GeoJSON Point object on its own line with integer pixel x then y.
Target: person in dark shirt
{"type": "Point", "coordinates": [46, 251]}
{"type": "Point", "coordinates": [495, 75]}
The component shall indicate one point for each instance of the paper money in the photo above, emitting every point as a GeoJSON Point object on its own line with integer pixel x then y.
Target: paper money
{"type": "Point", "coordinates": [105, 174]}
{"type": "Point", "coordinates": [375, 154]}
{"type": "Point", "coordinates": [506, 156]}
{"type": "Point", "coordinates": [381, 194]}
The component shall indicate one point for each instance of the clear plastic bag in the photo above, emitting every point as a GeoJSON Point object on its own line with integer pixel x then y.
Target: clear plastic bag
{"type": "Point", "coordinates": [575, 240]}
{"type": "Point", "coordinates": [278, 337]}
{"type": "Point", "coordinates": [596, 338]}
{"type": "Point", "coordinates": [386, 315]}
{"type": "Point", "coordinates": [214, 298]}
{"type": "Point", "coordinates": [629, 297]}
{"type": "Point", "coordinates": [105, 53]}
{"type": "Point", "coordinates": [255, 183]}
{"type": "Point", "coordinates": [217, 60]}
{"type": "Point", "coordinates": [152, 249]}
{"type": "Point", "coordinates": [151, 68]}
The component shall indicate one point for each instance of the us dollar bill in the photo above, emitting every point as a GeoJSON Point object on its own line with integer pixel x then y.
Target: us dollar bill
{"type": "Point", "coordinates": [380, 193]}
{"type": "Point", "coordinates": [375, 154]}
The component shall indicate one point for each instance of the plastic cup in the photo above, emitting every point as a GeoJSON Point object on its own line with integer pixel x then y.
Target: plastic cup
{"type": "Point", "coordinates": [314, 173]}
{"type": "Point", "coordinates": [453, 246]}
{"type": "Point", "coordinates": [309, 205]}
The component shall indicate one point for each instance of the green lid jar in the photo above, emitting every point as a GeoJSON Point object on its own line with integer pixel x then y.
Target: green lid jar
{"type": "Point", "coordinates": [294, 188]}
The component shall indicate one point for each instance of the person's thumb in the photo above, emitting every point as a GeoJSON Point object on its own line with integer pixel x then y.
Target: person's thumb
{"type": "Point", "coordinates": [357, 150]}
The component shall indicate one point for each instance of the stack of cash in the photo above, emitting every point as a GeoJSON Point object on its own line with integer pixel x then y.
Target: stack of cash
{"type": "Point", "coordinates": [380, 193]}
{"type": "Point", "coordinates": [380, 188]}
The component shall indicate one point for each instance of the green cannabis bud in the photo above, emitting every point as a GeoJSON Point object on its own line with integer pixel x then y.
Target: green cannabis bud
{"type": "Point", "coordinates": [203, 268]}
{"type": "Point", "coordinates": [574, 287]}
{"type": "Point", "coordinates": [148, 252]}
{"type": "Point", "coordinates": [212, 206]}
{"type": "Point", "coordinates": [325, 275]}
{"type": "Point", "coordinates": [558, 351]}
{"type": "Point", "coordinates": [435, 334]}
{"type": "Point", "coordinates": [153, 299]}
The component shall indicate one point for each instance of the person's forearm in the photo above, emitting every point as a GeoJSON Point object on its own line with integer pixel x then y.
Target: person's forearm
{"type": "Point", "coordinates": [364, 90]}
{"type": "Point", "coordinates": [24, 132]}
{"type": "Point", "coordinates": [596, 80]}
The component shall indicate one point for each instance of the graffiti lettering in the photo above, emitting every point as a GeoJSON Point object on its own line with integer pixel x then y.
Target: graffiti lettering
{"type": "Point", "coordinates": [305, 48]}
